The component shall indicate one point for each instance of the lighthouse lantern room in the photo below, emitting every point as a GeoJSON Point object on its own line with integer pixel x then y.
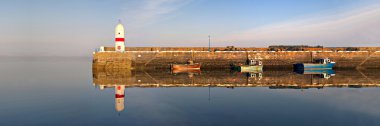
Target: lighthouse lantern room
{"type": "Point", "coordinates": [119, 38]}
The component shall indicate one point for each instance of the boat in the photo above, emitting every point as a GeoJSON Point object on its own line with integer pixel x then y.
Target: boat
{"type": "Point", "coordinates": [186, 67]}
{"type": "Point", "coordinates": [252, 66]}
{"type": "Point", "coordinates": [317, 64]}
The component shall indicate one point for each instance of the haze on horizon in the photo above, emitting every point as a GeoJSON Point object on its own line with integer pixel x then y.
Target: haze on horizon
{"type": "Point", "coordinates": [77, 27]}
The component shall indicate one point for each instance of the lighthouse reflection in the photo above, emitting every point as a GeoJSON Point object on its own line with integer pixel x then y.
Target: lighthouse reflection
{"type": "Point", "coordinates": [119, 98]}
{"type": "Point", "coordinates": [120, 80]}
{"type": "Point", "coordinates": [119, 95]}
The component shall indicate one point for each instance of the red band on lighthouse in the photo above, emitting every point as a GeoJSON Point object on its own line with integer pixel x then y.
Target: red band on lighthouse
{"type": "Point", "coordinates": [119, 39]}
{"type": "Point", "coordinates": [119, 96]}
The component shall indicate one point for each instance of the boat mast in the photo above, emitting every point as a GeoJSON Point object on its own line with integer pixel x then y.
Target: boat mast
{"type": "Point", "coordinates": [209, 41]}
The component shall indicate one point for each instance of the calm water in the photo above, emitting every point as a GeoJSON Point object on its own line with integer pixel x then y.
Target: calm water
{"type": "Point", "coordinates": [38, 91]}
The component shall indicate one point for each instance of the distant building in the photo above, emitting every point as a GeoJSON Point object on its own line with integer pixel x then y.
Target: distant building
{"type": "Point", "coordinates": [293, 47]}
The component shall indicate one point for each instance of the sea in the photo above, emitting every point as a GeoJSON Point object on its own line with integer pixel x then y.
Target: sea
{"type": "Point", "coordinates": [39, 91]}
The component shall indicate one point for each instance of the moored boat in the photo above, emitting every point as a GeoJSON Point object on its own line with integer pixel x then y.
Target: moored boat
{"type": "Point", "coordinates": [252, 65]}
{"type": "Point", "coordinates": [317, 64]}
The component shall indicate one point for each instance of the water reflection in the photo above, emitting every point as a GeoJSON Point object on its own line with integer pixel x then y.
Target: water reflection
{"type": "Point", "coordinates": [322, 73]}
{"type": "Point", "coordinates": [119, 97]}
{"type": "Point", "coordinates": [224, 78]}
{"type": "Point", "coordinates": [64, 96]}
{"type": "Point", "coordinates": [119, 80]}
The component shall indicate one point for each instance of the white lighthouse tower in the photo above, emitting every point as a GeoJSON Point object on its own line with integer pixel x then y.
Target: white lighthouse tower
{"type": "Point", "coordinates": [119, 38]}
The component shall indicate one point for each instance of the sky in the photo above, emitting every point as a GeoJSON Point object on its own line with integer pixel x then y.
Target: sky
{"type": "Point", "coordinates": [77, 27]}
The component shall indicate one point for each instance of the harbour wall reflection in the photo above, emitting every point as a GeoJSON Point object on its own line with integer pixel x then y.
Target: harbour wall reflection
{"type": "Point", "coordinates": [227, 78]}
{"type": "Point", "coordinates": [119, 80]}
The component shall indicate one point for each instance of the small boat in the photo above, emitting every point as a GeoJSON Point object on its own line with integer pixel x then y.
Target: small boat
{"type": "Point", "coordinates": [186, 67]}
{"type": "Point", "coordinates": [252, 66]}
{"type": "Point", "coordinates": [317, 64]}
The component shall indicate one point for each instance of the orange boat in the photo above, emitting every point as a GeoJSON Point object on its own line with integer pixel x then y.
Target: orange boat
{"type": "Point", "coordinates": [185, 67]}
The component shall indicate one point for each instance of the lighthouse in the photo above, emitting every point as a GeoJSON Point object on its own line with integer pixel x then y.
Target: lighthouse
{"type": "Point", "coordinates": [119, 38]}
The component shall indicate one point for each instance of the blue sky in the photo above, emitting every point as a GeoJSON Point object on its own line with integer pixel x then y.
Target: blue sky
{"type": "Point", "coordinates": [76, 27]}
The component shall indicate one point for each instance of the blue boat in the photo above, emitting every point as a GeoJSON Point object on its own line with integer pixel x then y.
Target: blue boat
{"type": "Point", "coordinates": [317, 64]}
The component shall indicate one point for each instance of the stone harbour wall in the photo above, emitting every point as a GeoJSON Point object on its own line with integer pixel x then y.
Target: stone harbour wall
{"type": "Point", "coordinates": [154, 58]}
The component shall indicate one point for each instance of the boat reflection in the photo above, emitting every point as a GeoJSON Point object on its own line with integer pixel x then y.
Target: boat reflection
{"type": "Point", "coordinates": [322, 73]}
{"type": "Point", "coordinates": [195, 71]}
{"type": "Point", "coordinates": [121, 80]}
{"type": "Point", "coordinates": [190, 72]}
{"type": "Point", "coordinates": [255, 75]}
